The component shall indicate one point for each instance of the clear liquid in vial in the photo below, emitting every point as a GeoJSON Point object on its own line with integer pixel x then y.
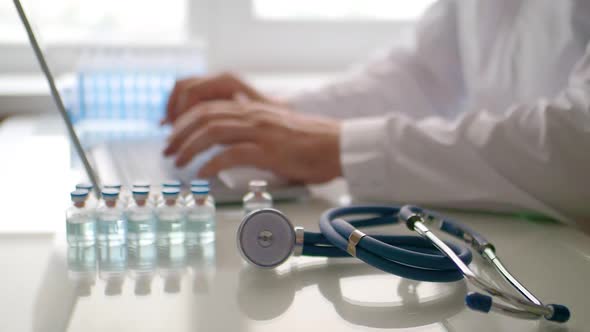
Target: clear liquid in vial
{"type": "Point", "coordinates": [200, 218]}
{"type": "Point", "coordinates": [170, 230]}
{"type": "Point", "coordinates": [141, 232]}
{"type": "Point", "coordinates": [258, 198]}
{"type": "Point", "coordinates": [170, 225]}
{"type": "Point", "coordinates": [111, 225]}
{"type": "Point", "coordinates": [141, 219]}
{"type": "Point", "coordinates": [80, 223]}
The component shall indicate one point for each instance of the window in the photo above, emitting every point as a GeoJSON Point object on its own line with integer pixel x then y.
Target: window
{"type": "Point", "coordinates": [65, 27]}
{"type": "Point", "coordinates": [68, 21]}
{"type": "Point", "coordinates": [252, 35]}
{"type": "Point", "coordinates": [309, 35]}
{"type": "Point", "coordinates": [388, 10]}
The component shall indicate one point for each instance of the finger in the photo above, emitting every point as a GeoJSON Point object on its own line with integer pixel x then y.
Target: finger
{"type": "Point", "coordinates": [243, 154]}
{"type": "Point", "coordinates": [222, 86]}
{"type": "Point", "coordinates": [173, 99]}
{"type": "Point", "coordinates": [187, 97]}
{"type": "Point", "coordinates": [241, 98]}
{"type": "Point", "coordinates": [203, 113]}
{"type": "Point", "coordinates": [197, 118]}
{"type": "Point", "coordinates": [220, 132]}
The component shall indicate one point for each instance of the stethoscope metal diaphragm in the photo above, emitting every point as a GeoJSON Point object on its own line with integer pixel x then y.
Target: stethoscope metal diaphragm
{"type": "Point", "coordinates": [266, 238]}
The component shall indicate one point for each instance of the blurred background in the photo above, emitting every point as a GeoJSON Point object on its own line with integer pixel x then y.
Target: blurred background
{"type": "Point", "coordinates": [116, 61]}
{"type": "Point", "coordinates": [266, 37]}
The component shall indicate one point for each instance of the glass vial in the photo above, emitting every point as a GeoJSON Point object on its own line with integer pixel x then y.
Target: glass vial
{"type": "Point", "coordinates": [258, 198]}
{"type": "Point", "coordinates": [141, 219]}
{"type": "Point", "coordinates": [204, 184]}
{"type": "Point", "coordinates": [152, 197]}
{"type": "Point", "coordinates": [175, 184]}
{"type": "Point", "coordinates": [124, 196]}
{"type": "Point", "coordinates": [110, 224]}
{"type": "Point", "coordinates": [80, 223]}
{"type": "Point", "coordinates": [200, 217]}
{"type": "Point", "coordinates": [92, 201]}
{"type": "Point", "coordinates": [170, 218]}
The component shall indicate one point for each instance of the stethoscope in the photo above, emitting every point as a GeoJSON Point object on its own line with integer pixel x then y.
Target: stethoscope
{"type": "Point", "coordinates": [266, 238]}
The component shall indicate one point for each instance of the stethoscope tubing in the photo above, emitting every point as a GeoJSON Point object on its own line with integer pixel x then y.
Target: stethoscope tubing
{"type": "Point", "coordinates": [406, 256]}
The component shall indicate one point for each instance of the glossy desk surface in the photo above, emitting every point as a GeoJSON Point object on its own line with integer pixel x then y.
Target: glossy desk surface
{"type": "Point", "coordinates": [47, 287]}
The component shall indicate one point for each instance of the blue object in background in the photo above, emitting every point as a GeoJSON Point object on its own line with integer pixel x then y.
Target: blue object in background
{"type": "Point", "coordinates": [122, 94]}
{"type": "Point", "coordinates": [107, 104]}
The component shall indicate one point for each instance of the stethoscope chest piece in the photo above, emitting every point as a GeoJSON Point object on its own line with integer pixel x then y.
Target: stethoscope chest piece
{"type": "Point", "coordinates": [266, 238]}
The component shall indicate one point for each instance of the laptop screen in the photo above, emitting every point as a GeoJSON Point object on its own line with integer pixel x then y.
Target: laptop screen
{"type": "Point", "coordinates": [56, 96]}
{"type": "Point", "coordinates": [111, 92]}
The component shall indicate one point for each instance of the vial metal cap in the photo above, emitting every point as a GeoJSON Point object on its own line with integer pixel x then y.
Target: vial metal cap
{"type": "Point", "coordinates": [110, 193]}
{"type": "Point", "coordinates": [200, 190]}
{"type": "Point", "coordinates": [140, 192]}
{"type": "Point", "coordinates": [84, 185]}
{"type": "Point", "coordinates": [141, 184]}
{"type": "Point", "coordinates": [112, 186]}
{"type": "Point", "coordinates": [257, 185]}
{"type": "Point", "coordinates": [79, 195]}
{"type": "Point", "coordinates": [199, 183]}
{"type": "Point", "coordinates": [170, 192]}
{"type": "Point", "coordinates": [172, 184]}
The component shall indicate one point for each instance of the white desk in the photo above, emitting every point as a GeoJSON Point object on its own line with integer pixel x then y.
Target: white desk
{"type": "Point", "coordinates": [42, 285]}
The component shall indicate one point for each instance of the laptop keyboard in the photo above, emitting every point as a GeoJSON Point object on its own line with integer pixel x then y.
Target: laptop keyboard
{"type": "Point", "coordinates": [128, 161]}
{"type": "Point", "coordinates": [142, 160]}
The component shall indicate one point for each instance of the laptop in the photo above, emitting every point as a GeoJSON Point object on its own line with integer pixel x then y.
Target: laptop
{"type": "Point", "coordinates": [131, 160]}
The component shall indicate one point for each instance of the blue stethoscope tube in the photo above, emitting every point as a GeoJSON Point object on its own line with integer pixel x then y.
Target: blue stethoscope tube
{"type": "Point", "coordinates": [423, 258]}
{"type": "Point", "coordinates": [406, 256]}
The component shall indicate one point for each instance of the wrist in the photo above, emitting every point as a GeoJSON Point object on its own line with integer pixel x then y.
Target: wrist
{"type": "Point", "coordinates": [323, 149]}
{"type": "Point", "coordinates": [334, 157]}
{"type": "Point", "coordinates": [363, 155]}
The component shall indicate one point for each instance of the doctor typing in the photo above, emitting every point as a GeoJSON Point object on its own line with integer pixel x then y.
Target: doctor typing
{"type": "Point", "coordinates": [490, 108]}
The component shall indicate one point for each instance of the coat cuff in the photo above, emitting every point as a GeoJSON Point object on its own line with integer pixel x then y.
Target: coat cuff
{"type": "Point", "coordinates": [363, 157]}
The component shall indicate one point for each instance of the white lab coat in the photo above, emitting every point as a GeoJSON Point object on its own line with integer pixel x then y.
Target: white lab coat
{"type": "Point", "coordinates": [489, 109]}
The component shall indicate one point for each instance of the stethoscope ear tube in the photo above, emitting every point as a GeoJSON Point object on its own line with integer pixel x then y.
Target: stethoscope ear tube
{"type": "Point", "coordinates": [529, 308]}
{"type": "Point", "coordinates": [411, 214]}
{"type": "Point", "coordinates": [476, 240]}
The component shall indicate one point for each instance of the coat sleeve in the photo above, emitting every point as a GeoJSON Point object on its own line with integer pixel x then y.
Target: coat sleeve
{"type": "Point", "coordinates": [533, 157]}
{"type": "Point", "coordinates": [423, 80]}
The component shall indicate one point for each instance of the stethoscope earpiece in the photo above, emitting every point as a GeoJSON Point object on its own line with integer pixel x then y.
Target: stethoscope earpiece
{"type": "Point", "coordinates": [266, 238]}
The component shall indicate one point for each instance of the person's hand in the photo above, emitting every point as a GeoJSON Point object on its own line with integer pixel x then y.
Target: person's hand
{"type": "Point", "coordinates": [298, 147]}
{"type": "Point", "coordinates": [192, 91]}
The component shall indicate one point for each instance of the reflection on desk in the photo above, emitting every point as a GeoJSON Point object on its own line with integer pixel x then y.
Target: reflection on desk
{"type": "Point", "coordinates": [266, 294]}
{"type": "Point", "coordinates": [115, 264]}
{"type": "Point", "coordinates": [358, 293]}
{"type": "Point", "coordinates": [83, 272]}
